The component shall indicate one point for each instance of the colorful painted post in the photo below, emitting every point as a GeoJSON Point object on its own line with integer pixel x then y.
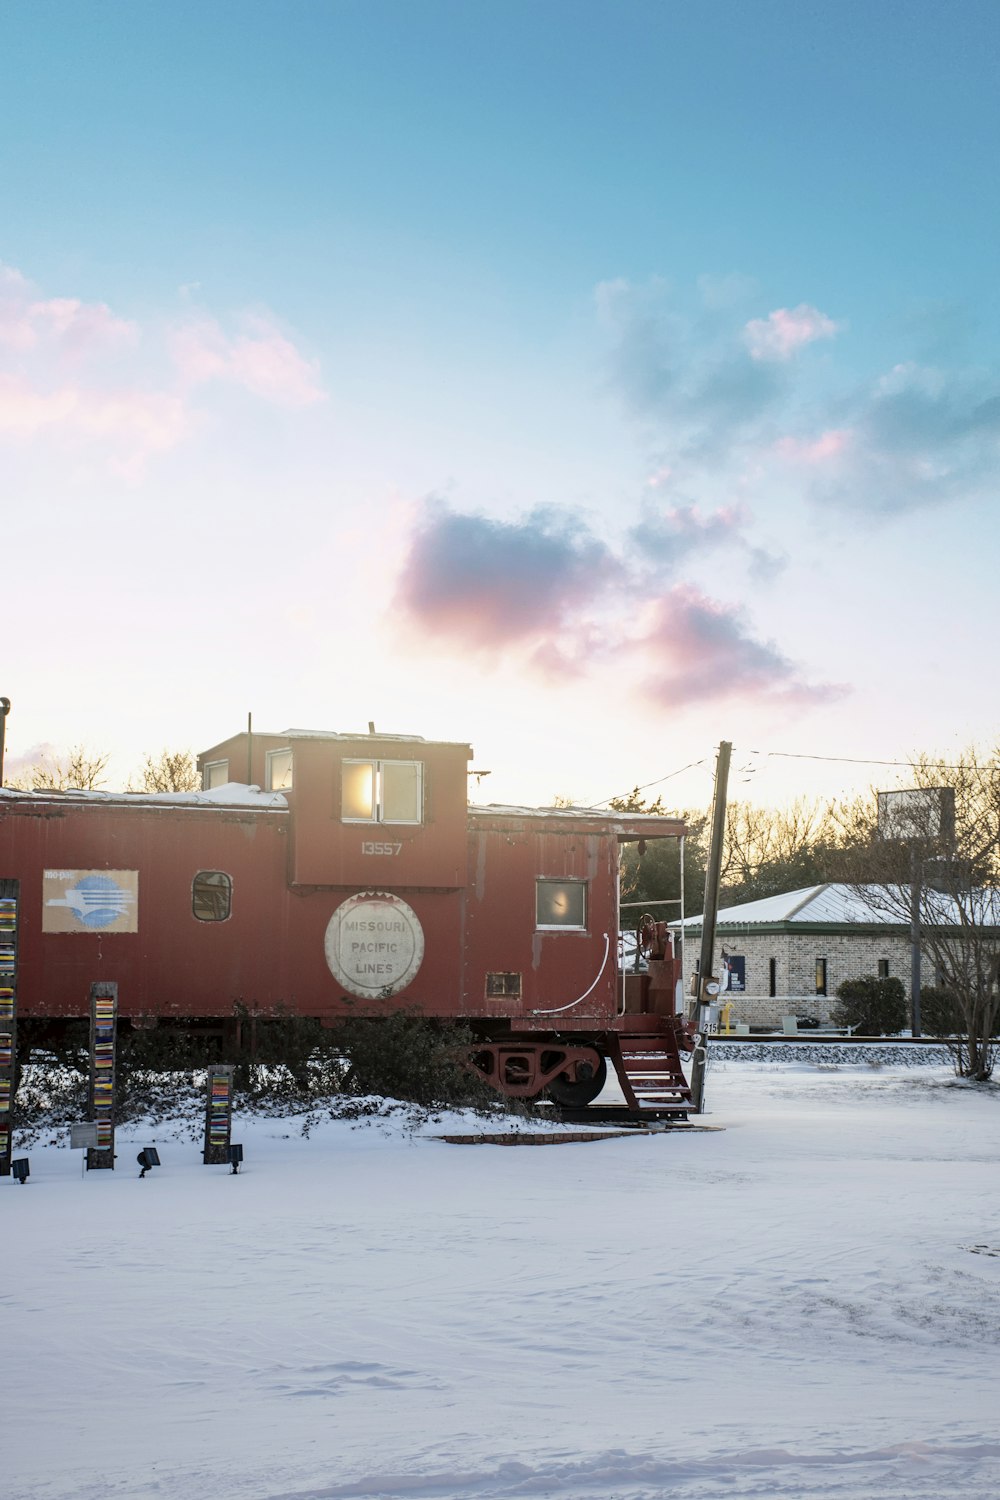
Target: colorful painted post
{"type": "Point", "coordinates": [9, 890]}
{"type": "Point", "coordinates": [218, 1115]}
{"type": "Point", "coordinates": [103, 1027]}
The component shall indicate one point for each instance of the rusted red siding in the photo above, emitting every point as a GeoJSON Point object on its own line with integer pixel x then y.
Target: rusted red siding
{"type": "Point", "coordinates": [469, 876]}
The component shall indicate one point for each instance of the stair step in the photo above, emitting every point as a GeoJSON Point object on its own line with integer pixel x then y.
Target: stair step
{"type": "Point", "coordinates": [654, 1073]}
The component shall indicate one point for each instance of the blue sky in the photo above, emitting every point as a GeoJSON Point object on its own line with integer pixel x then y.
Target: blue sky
{"type": "Point", "coordinates": [593, 381]}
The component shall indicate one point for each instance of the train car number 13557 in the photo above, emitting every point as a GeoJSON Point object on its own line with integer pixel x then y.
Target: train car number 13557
{"type": "Point", "coordinates": [368, 847]}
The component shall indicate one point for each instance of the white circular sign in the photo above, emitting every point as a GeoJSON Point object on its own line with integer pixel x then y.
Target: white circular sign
{"type": "Point", "coordinates": [374, 945]}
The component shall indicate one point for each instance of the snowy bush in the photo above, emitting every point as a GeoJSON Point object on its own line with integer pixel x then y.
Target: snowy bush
{"type": "Point", "coordinates": [872, 1007]}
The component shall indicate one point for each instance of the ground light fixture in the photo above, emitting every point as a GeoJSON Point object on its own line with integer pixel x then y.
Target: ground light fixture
{"type": "Point", "coordinates": [235, 1157]}
{"type": "Point", "coordinates": [20, 1170]}
{"type": "Point", "coordinates": [148, 1157]}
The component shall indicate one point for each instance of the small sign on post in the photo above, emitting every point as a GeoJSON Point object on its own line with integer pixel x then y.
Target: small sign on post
{"type": "Point", "coordinates": [218, 1115]}
{"type": "Point", "coordinates": [103, 1028]}
{"type": "Point", "coordinates": [83, 1136]}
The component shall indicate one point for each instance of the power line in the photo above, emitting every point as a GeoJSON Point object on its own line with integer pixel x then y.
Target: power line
{"type": "Point", "coordinates": [845, 760]}
{"type": "Point", "coordinates": [853, 760]}
{"type": "Point", "coordinates": [645, 787]}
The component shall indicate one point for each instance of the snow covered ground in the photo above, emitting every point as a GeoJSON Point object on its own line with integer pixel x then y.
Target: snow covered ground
{"type": "Point", "coordinates": [803, 1304]}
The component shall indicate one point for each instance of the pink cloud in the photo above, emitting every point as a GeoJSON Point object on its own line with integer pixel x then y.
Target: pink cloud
{"type": "Point", "coordinates": [787, 330]}
{"type": "Point", "coordinates": [137, 423]}
{"type": "Point", "coordinates": [261, 360]}
{"type": "Point", "coordinates": [488, 585]}
{"type": "Point", "coordinates": [548, 593]}
{"type": "Point", "coordinates": [696, 650]}
{"type": "Point", "coordinates": [63, 324]}
{"type": "Point", "coordinates": [659, 477]}
{"type": "Point", "coordinates": [75, 372]}
{"type": "Point", "coordinates": [814, 451]}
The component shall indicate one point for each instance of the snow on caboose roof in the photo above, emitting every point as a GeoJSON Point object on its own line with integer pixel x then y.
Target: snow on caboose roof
{"type": "Point", "coordinates": [233, 794]}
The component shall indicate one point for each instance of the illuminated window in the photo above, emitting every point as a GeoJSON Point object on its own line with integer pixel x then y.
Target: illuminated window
{"type": "Point", "coordinates": [821, 976]}
{"type": "Point", "coordinates": [561, 904]}
{"type": "Point", "coordinates": [278, 771]}
{"type": "Point", "coordinates": [212, 895]}
{"type": "Point", "coordinates": [215, 773]}
{"type": "Point", "coordinates": [382, 791]}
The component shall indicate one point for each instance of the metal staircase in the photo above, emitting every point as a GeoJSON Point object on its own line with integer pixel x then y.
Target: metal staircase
{"type": "Point", "coordinates": [647, 1060]}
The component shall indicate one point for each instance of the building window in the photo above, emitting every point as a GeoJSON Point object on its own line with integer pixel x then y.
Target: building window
{"type": "Point", "coordinates": [212, 895]}
{"type": "Point", "coordinates": [382, 791]}
{"type": "Point", "coordinates": [561, 904]}
{"type": "Point", "coordinates": [214, 773]}
{"type": "Point", "coordinates": [883, 968]}
{"type": "Point", "coordinates": [278, 770]}
{"type": "Point", "coordinates": [772, 977]}
{"type": "Point", "coordinates": [821, 976]}
{"type": "Point", "coordinates": [503, 986]}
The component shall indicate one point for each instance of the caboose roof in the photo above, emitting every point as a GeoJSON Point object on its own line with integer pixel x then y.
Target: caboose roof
{"type": "Point", "coordinates": [625, 825]}
{"type": "Point", "coordinates": [363, 734]}
{"type": "Point", "coordinates": [337, 735]}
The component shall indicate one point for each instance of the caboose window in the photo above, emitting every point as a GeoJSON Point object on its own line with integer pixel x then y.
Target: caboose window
{"type": "Point", "coordinates": [561, 904]}
{"type": "Point", "coordinates": [214, 773]}
{"type": "Point", "coordinates": [212, 895]}
{"type": "Point", "coordinates": [278, 771]}
{"type": "Point", "coordinates": [382, 791]}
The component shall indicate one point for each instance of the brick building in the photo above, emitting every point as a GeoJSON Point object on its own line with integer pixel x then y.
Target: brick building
{"type": "Point", "coordinates": [786, 955]}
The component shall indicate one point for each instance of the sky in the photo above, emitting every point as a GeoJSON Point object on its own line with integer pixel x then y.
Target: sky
{"type": "Point", "coordinates": [588, 381]}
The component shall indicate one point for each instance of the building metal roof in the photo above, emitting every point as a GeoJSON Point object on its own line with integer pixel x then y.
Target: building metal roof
{"type": "Point", "coordinates": [835, 905]}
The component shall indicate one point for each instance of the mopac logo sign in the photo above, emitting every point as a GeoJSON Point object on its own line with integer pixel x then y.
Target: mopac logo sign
{"type": "Point", "coordinates": [374, 945]}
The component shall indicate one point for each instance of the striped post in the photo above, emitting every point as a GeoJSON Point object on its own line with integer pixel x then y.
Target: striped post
{"type": "Point", "coordinates": [103, 1027]}
{"type": "Point", "coordinates": [8, 1018]}
{"type": "Point", "coordinates": [218, 1115]}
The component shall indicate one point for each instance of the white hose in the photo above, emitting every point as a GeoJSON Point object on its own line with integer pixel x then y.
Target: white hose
{"type": "Point", "coordinates": [560, 1008]}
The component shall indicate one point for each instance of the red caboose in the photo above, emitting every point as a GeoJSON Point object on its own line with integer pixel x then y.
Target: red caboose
{"type": "Point", "coordinates": [321, 873]}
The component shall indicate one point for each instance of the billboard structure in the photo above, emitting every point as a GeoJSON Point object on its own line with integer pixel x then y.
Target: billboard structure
{"type": "Point", "coordinates": [917, 814]}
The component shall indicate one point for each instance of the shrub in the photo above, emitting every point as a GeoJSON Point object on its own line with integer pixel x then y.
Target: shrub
{"type": "Point", "coordinates": [406, 1056]}
{"type": "Point", "coordinates": [940, 1013]}
{"type": "Point", "coordinates": [873, 1007]}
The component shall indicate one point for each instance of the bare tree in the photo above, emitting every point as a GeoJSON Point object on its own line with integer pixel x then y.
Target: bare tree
{"type": "Point", "coordinates": [950, 880]}
{"type": "Point", "coordinates": [170, 771]}
{"type": "Point", "coordinates": [81, 770]}
{"type": "Point", "coordinates": [768, 851]}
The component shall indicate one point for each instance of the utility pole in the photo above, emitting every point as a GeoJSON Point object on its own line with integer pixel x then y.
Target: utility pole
{"type": "Point", "coordinates": [916, 881]}
{"type": "Point", "coordinates": [708, 984]}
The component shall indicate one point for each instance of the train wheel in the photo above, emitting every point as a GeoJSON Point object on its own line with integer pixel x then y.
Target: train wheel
{"type": "Point", "coordinates": [576, 1092]}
